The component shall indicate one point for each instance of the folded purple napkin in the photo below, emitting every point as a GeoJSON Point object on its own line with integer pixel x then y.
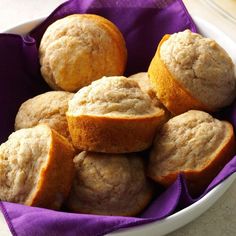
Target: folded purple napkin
{"type": "Point", "coordinates": [143, 23]}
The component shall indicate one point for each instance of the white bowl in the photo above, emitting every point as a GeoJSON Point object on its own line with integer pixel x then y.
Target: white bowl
{"type": "Point", "coordinates": [190, 213]}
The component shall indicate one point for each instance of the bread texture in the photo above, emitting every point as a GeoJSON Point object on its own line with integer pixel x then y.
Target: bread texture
{"type": "Point", "coordinates": [194, 144]}
{"type": "Point", "coordinates": [189, 71]}
{"type": "Point", "coordinates": [113, 115]}
{"type": "Point", "coordinates": [36, 167]}
{"type": "Point", "coordinates": [145, 84]}
{"type": "Point", "coordinates": [109, 184]}
{"type": "Point", "coordinates": [48, 108]}
{"type": "Point", "coordinates": [81, 48]}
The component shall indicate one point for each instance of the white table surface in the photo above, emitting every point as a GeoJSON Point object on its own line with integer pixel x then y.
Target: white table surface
{"type": "Point", "coordinates": [220, 220]}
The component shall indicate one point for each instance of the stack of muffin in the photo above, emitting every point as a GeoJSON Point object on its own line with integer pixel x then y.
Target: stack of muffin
{"type": "Point", "coordinates": [83, 149]}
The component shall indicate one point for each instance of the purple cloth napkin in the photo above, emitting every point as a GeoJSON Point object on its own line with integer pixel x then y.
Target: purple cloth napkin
{"type": "Point", "coordinates": [143, 23]}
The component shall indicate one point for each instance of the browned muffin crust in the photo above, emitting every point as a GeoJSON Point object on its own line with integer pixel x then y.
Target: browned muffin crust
{"type": "Point", "coordinates": [113, 115]}
{"type": "Point", "coordinates": [36, 167]}
{"type": "Point", "coordinates": [109, 184]}
{"type": "Point", "coordinates": [195, 144]}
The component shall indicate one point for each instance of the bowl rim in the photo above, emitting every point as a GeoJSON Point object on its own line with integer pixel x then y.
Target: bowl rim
{"type": "Point", "coordinates": [184, 216]}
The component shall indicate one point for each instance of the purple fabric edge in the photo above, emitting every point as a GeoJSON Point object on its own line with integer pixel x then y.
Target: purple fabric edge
{"type": "Point", "coordinates": [25, 40]}
{"type": "Point", "coordinates": [7, 218]}
{"type": "Point", "coordinates": [192, 201]}
{"type": "Point", "coordinates": [144, 221]}
{"type": "Point", "coordinates": [188, 15]}
{"type": "Point", "coordinates": [209, 188]}
{"type": "Point", "coordinates": [213, 186]}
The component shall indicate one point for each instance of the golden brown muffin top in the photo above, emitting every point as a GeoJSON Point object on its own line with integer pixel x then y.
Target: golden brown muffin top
{"type": "Point", "coordinates": [112, 96]}
{"type": "Point", "coordinates": [202, 66]}
{"type": "Point", "coordinates": [22, 157]}
{"type": "Point", "coordinates": [49, 108]}
{"type": "Point", "coordinates": [109, 184]}
{"type": "Point", "coordinates": [80, 48]}
{"type": "Point", "coordinates": [187, 142]}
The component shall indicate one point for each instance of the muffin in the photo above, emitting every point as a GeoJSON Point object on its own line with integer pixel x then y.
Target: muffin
{"type": "Point", "coordinates": [36, 167]}
{"type": "Point", "coordinates": [189, 71]}
{"type": "Point", "coordinates": [80, 48]}
{"type": "Point", "coordinates": [49, 108]}
{"type": "Point", "coordinates": [194, 144]}
{"type": "Point", "coordinates": [113, 115]}
{"type": "Point", "coordinates": [109, 184]}
{"type": "Point", "coordinates": [144, 83]}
